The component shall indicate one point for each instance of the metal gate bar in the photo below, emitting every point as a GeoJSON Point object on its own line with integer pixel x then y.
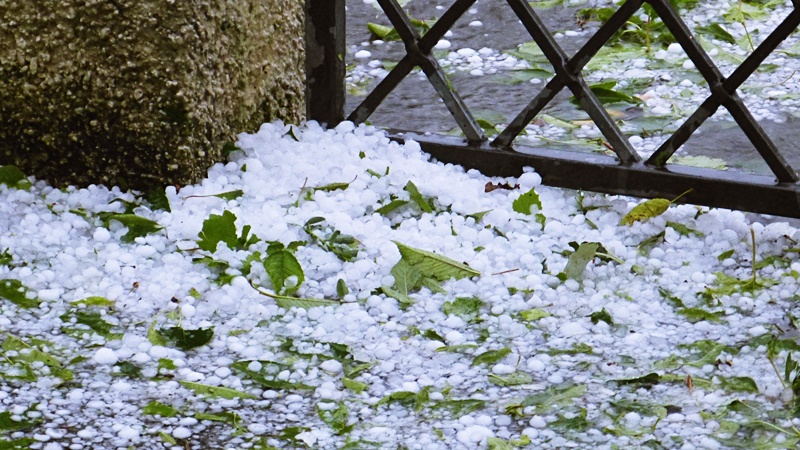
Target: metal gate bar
{"type": "Point", "coordinates": [626, 174]}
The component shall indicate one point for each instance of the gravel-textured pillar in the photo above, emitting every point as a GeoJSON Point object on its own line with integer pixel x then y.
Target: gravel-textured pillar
{"type": "Point", "coordinates": [142, 92]}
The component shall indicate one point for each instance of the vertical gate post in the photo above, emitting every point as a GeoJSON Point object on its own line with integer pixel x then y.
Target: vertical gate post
{"type": "Point", "coordinates": [325, 65]}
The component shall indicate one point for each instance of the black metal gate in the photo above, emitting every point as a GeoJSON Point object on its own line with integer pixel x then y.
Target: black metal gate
{"type": "Point", "coordinates": [625, 173]}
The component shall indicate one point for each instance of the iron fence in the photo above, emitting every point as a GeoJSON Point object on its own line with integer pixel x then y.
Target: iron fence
{"type": "Point", "coordinates": [626, 172]}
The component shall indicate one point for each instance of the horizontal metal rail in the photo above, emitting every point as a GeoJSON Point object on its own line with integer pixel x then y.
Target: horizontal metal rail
{"type": "Point", "coordinates": [625, 173]}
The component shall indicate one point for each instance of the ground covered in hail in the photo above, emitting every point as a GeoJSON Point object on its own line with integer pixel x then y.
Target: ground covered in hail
{"type": "Point", "coordinates": [333, 289]}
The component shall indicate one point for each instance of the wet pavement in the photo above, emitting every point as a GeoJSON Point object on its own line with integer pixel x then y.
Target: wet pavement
{"type": "Point", "coordinates": [491, 24]}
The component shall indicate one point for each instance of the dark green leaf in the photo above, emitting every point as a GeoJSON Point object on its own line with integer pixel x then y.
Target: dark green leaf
{"type": "Point", "coordinates": [12, 177]}
{"type": "Point", "coordinates": [218, 229]}
{"type": "Point", "coordinates": [573, 424]}
{"type": "Point", "coordinates": [601, 315]}
{"type": "Point", "coordinates": [215, 391]}
{"type": "Point", "coordinates": [417, 198]}
{"type": "Point", "coordinates": [93, 319]}
{"type": "Point", "coordinates": [725, 255]}
{"type": "Point", "coordinates": [514, 379]}
{"type": "Point", "coordinates": [525, 201]}
{"type": "Point", "coordinates": [137, 226]}
{"type": "Point", "coordinates": [459, 407]}
{"type": "Point", "coordinates": [187, 339]}
{"type": "Point", "coordinates": [9, 424]}
{"type": "Point", "coordinates": [715, 31]}
{"type": "Point", "coordinates": [576, 349]}
{"type": "Point", "coordinates": [129, 369]}
{"type": "Point", "coordinates": [491, 356]}
{"type": "Point", "coordinates": [576, 264]}
{"type": "Point", "coordinates": [158, 199]}
{"type": "Point", "coordinates": [281, 265]}
{"type": "Point", "coordinates": [391, 206]}
{"type": "Point", "coordinates": [13, 291]}
{"type": "Point", "coordinates": [695, 315]}
{"type": "Point", "coordinates": [435, 266]}
{"type": "Point", "coordinates": [683, 230]}
{"type": "Point", "coordinates": [463, 306]}
{"type": "Point", "coordinates": [646, 380]}
{"type": "Point", "coordinates": [336, 418]}
{"type": "Point", "coordinates": [341, 288]}
{"type": "Point", "coordinates": [650, 243]}
{"type": "Point", "coordinates": [155, 408]}
{"type": "Point", "coordinates": [742, 384]}
{"type": "Point", "coordinates": [265, 378]}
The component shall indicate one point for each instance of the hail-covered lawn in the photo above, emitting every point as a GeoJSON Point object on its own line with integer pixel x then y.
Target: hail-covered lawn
{"type": "Point", "coordinates": [332, 289]}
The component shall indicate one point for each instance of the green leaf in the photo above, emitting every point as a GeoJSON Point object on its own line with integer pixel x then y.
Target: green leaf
{"type": "Point", "coordinates": [341, 185]}
{"type": "Point", "coordinates": [433, 335]}
{"type": "Point", "coordinates": [94, 301]}
{"type": "Point", "coordinates": [435, 266]}
{"type": "Point", "coordinates": [725, 255]}
{"type": "Point", "coordinates": [491, 356]}
{"type": "Point", "coordinates": [281, 265]}
{"type": "Point", "coordinates": [355, 386]}
{"type": "Point", "coordinates": [650, 243]}
{"type": "Point", "coordinates": [187, 339]}
{"type": "Point", "coordinates": [417, 198]}
{"type": "Point", "coordinates": [405, 398]}
{"type": "Point", "coordinates": [137, 226]}
{"type": "Point", "coordinates": [155, 337]}
{"type": "Point", "coordinates": [647, 380]}
{"type": "Point", "coordinates": [12, 177]}
{"type": "Point", "coordinates": [391, 206]}
{"type": "Point", "coordinates": [525, 201]}
{"type": "Point", "coordinates": [215, 391]}
{"type": "Point", "coordinates": [13, 291]}
{"type": "Point", "coordinates": [229, 417]}
{"type": "Point", "coordinates": [218, 229]}
{"type": "Point", "coordinates": [683, 230]}
{"type": "Point", "coordinates": [336, 418]}
{"type": "Point", "coordinates": [741, 384]}
{"type": "Point", "coordinates": [579, 348]}
{"type": "Point", "coordinates": [478, 216]}
{"type": "Point", "coordinates": [158, 200]}
{"type": "Point", "coordinates": [649, 209]}
{"type": "Point", "coordinates": [401, 297]}
{"type": "Point", "coordinates": [167, 438]}
{"type": "Point", "coordinates": [7, 423]}
{"type": "Point", "coordinates": [573, 424]}
{"type": "Point", "coordinates": [704, 162]}
{"type": "Point", "coordinates": [514, 379]}
{"type": "Point", "coordinates": [459, 407]}
{"type": "Point", "coordinates": [715, 31]}
{"type": "Point", "coordinates": [230, 195]}
{"type": "Point", "coordinates": [129, 369]}
{"type": "Point", "coordinates": [267, 374]}
{"type": "Point", "coordinates": [382, 32]}
{"type": "Point", "coordinates": [531, 315]}
{"type": "Point", "coordinates": [603, 316]}
{"type": "Point", "coordinates": [93, 319]}
{"type": "Point", "coordinates": [304, 303]}
{"type": "Point", "coordinates": [407, 278]}
{"type": "Point", "coordinates": [500, 444]}
{"type": "Point", "coordinates": [576, 264]}
{"type": "Point", "coordinates": [17, 444]}
{"type": "Point", "coordinates": [341, 288]}
{"type": "Point", "coordinates": [695, 315]}
{"type": "Point", "coordinates": [463, 306]}
{"type": "Point", "coordinates": [553, 397]}
{"type": "Point", "coordinates": [155, 408]}
{"type": "Point", "coordinates": [607, 95]}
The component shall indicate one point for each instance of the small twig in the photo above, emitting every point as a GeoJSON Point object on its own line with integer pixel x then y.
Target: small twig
{"type": "Point", "coordinates": [506, 271]}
